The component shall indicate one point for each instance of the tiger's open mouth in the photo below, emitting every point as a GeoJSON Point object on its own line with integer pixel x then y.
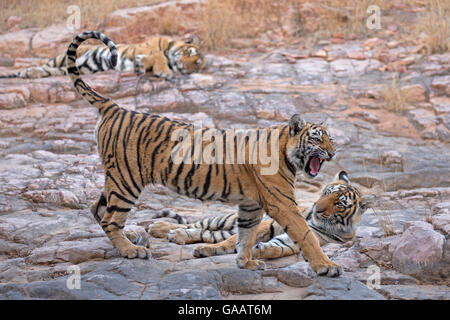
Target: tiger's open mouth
{"type": "Point", "coordinates": [313, 166]}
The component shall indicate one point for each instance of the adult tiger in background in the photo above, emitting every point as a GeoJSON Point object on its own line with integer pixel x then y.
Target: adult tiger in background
{"type": "Point", "coordinates": [136, 150]}
{"type": "Point", "coordinates": [161, 56]}
{"type": "Point", "coordinates": [333, 218]}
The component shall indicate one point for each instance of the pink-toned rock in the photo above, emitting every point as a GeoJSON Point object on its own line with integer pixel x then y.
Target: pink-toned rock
{"type": "Point", "coordinates": [366, 116]}
{"type": "Point", "coordinates": [419, 250]}
{"type": "Point", "coordinates": [441, 105]}
{"type": "Point", "coordinates": [338, 35]}
{"type": "Point", "coordinates": [13, 21]}
{"type": "Point", "coordinates": [52, 41]}
{"type": "Point", "coordinates": [414, 92]}
{"type": "Point", "coordinates": [441, 217]}
{"type": "Point", "coordinates": [320, 54]}
{"type": "Point", "coordinates": [441, 84]}
{"type": "Point", "coordinates": [392, 44]}
{"type": "Point", "coordinates": [392, 157]}
{"type": "Point", "coordinates": [23, 63]}
{"type": "Point", "coordinates": [11, 100]}
{"type": "Point", "coordinates": [357, 55]}
{"type": "Point", "coordinates": [16, 44]}
{"type": "Point", "coordinates": [336, 40]}
{"type": "Point", "coordinates": [392, 27]}
{"type": "Point", "coordinates": [371, 43]}
{"type": "Point", "coordinates": [137, 24]}
{"type": "Point", "coordinates": [421, 119]}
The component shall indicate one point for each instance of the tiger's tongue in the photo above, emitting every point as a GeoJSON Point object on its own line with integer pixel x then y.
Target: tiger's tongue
{"type": "Point", "coordinates": [314, 165]}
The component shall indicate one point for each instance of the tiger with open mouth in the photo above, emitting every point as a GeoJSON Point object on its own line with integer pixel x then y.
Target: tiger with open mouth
{"type": "Point", "coordinates": [136, 149]}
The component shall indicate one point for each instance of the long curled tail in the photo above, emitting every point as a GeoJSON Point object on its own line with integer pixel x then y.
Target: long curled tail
{"type": "Point", "coordinates": [93, 97]}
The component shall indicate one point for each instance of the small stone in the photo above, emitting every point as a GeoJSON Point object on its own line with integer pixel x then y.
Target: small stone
{"type": "Point", "coordinates": [298, 275]}
{"type": "Point", "coordinates": [371, 43]}
{"type": "Point", "coordinates": [392, 44]}
{"type": "Point", "coordinates": [357, 55]}
{"type": "Point", "coordinates": [320, 54]}
{"type": "Point", "coordinates": [414, 93]}
{"type": "Point", "coordinates": [392, 157]}
{"type": "Point", "coordinates": [421, 119]}
{"type": "Point", "coordinates": [441, 84]}
{"type": "Point", "coordinates": [336, 41]}
{"type": "Point", "coordinates": [441, 104]}
{"type": "Point", "coordinates": [366, 116]}
{"type": "Point", "coordinates": [13, 21]}
{"type": "Point", "coordinates": [339, 35]}
{"type": "Point", "coordinates": [443, 133]}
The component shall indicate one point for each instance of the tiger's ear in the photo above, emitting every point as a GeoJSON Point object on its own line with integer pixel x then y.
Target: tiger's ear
{"type": "Point", "coordinates": [344, 176]}
{"type": "Point", "coordinates": [191, 38]}
{"type": "Point", "coordinates": [327, 123]}
{"type": "Point", "coordinates": [366, 202]}
{"type": "Point", "coordinates": [296, 124]}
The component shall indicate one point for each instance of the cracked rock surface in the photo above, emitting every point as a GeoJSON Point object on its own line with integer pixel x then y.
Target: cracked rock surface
{"type": "Point", "coordinates": [50, 175]}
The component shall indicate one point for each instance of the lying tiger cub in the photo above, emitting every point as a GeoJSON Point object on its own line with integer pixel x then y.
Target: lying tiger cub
{"type": "Point", "coordinates": [332, 218]}
{"type": "Point", "coordinates": [161, 56]}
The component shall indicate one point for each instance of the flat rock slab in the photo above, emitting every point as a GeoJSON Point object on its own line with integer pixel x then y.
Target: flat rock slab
{"type": "Point", "coordinates": [342, 288]}
{"type": "Point", "coordinates": [410, 292]}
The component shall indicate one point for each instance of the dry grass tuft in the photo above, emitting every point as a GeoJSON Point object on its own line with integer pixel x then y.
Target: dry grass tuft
{"type": "Point", "coordinates": [434, 27]}
{"type": "Point", "coordinates": [337, 16]}
{"type": "Point", "coordinates": [168, 23]}
{"type": "Point", "coordinates": [395, 100]}
{"type": "Point", "coordinates": [43, 13]}
{"type": "Point", "coordinates": [386, 222]}
{"type": "Point", "coordinates": [225, 20]}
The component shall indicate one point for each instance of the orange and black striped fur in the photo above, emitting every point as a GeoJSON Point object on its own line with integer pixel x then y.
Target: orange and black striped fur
{"type": "Point", "coordinates": [161, 56]}
{"type": "Point", "coordinates": [333, 218]}
{"type": "Point", "coordinates": [136, 150]}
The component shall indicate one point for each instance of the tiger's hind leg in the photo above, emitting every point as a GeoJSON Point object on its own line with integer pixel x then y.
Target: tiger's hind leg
{"type": "Point", "coordinates": [98, 209]}
{"type": "Point", "coordinates": [113, 223]}
{"type": "Point", "coordinates": [249, 217]}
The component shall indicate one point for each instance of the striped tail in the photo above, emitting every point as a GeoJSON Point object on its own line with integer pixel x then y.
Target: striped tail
{"type": "Point", "coordinates": [167, 213]}
{"type": "Point", "coordinates": [93, 97]}
{"type": "Point", "coordinates": [9, 76]}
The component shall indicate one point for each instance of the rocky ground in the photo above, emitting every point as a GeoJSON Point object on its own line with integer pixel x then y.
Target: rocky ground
{"type": "Point", "coordinates": [50, 173]}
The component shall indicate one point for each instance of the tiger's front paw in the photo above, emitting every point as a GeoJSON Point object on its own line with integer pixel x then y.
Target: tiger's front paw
{"type": "Point", "coordinates": [251, 264]}
{"type": "Point", "coordinates": [177, 236]}
{"type": "Point", "coordinates": [329, 269]}
{"type": "Point", "coordinates": [139, 67]}
{"type": "Point", "coordinates": [137, 235]}
{"type": "Point", "coordinates": [159, 229]}
{"type": "Point", "coordinates": [132, 251]}
{"type": "Point", "coordinates": [204, 250]}
{"type": "Point", "coordinates": [166, 74]}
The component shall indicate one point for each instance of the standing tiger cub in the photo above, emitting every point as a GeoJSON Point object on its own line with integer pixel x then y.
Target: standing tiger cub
{"type": "Point", "coordinates": [137, 149]}
{"type": "Point", "coordinates": [161, 56]}
{"type": "Point", "coordinates": [333, 218]}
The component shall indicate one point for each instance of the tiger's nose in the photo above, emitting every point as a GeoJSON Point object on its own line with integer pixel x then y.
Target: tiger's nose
{"type": "Point", "coordinates": [330, 155]}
